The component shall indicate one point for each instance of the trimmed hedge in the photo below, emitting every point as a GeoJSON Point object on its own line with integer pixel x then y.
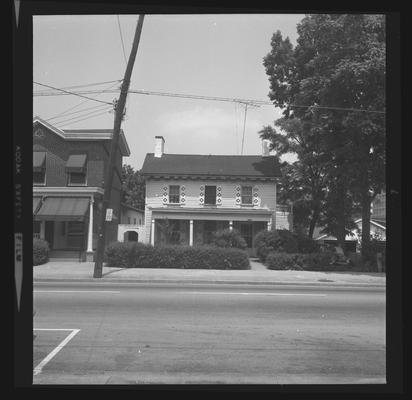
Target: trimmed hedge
{"type": "Point", "coordinates": [139, 255]}
{"type": "Point", "coordinates": [229, 239]}
{"type": "Point", "coordinates": [40, 251]}
{"type": "Point", "coordinates": [304, 262]}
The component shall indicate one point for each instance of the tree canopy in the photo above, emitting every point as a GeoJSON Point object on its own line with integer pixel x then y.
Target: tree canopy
{"type": "Point", "coordinates": [331, 86]}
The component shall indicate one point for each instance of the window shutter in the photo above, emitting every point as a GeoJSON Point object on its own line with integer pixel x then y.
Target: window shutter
{"type": "Point", "coordinates": [256, 197]}
{"type": "Point", "coordinates": [219, 195]}
{"type": "Point", "coordinates": [165, 194]}
{"type": "Point", "coordinates": [182, 194]}
{"type": "Point", "coordinates": [237, 195]}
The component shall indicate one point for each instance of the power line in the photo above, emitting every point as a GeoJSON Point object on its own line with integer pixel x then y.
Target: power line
{"type": "Point", "coordinates": [228, 99]}
{"type": "Point", "coordinates": [78, 119]}
{"type": "Point", "coordinates": [75, 112]}
{"type": "Point", "coordinates": [72, 93]}
{"type": "Point", "coordinates": [85, 85]}
{"type": "Point", "coordinates": [85, 101]}
{"type": "Point", "coordinates": [121, 38]}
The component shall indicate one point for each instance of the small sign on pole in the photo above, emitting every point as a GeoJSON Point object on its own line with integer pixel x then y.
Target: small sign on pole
{"type": "Point", "coordinates": [109, 214]}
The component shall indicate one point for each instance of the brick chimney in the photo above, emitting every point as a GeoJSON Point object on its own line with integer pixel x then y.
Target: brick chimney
{"type": "Point", "coordinates": [159, 146]}
{"type": "Point", "coordinates": [265, 148]}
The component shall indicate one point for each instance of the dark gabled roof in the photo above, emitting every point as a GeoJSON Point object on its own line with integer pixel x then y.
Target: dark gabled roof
{"type": "Point", "coordinates": [211, 165]}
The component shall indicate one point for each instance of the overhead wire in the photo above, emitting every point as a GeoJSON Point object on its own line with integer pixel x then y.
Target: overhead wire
{"type": "Point", "coordinates": [78, 111]}
{"type": "Point", "coordinates": [72, 93]}
{"type": "Point", "coordinates": [85, 85]}
{"type": "Point", "coordinates": [228, 99]}
{"type": "Point", "coordinates": [121, 38]}
{"type": "Point", "coordinates": [79, 118]}
{"type": "Point", "coordinates": [64, 113]}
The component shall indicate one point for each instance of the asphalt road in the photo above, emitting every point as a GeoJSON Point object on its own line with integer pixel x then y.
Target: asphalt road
{"type": "Point", "coordinates": [219, 334]}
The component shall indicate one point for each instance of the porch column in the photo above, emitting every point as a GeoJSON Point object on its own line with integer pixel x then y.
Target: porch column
{"type": "Point", "coordinates": [191, 232]}
{"type": "Point", "coordinates": [152, 233]}
{"type": "Point", "coordinates": [42, 229]}
{"type": "Point", "coordinates": [231, 225]}
{"type": "Point", "coordinates": [90, 233]}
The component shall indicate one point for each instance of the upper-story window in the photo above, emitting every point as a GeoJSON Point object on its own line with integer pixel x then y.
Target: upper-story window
{"type": "Point", "coordinates": [76, 170]}
{"type": "Point", "coordinates": [210, 194]}
{"type": "Point", "coordinates": [247, 197]}
{"type": "Point", "coordinates": [39, 168]}
{"type": "Point", "coordinates": [174, 194]}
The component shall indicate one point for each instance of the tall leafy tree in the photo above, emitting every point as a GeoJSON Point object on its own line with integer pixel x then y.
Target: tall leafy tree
{"type": "Point", "coordinates": [334, 80]}
{"type": "Point", "coordinates": [302, 182]}
{"type": "Point", "coordinates": [133, 187]}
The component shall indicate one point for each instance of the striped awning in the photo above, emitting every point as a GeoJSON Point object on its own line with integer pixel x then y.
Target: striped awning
{"type": "Point", "coordinates": [39, 159]}
{"type": "Point", "coordinates": [63, 209]}
{"type": "Point", "coordinates": [76, 163]}
{"type": "Point", "coordinates": [36, 203]}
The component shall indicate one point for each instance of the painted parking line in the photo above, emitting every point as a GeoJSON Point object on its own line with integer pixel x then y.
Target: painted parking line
{"type": "Point", "coordinates": [63, 343]}
{"type": "Point", "coordinates": [257, 294]}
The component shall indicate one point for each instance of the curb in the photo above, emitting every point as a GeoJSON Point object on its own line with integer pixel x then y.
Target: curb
{"type": "Point", "coordinates": [193, 281]}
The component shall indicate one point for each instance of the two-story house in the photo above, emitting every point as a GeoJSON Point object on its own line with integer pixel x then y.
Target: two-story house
{"type": "Point", "coordinates": [190, 196]}
{"type": "Point", "coordinates": [68, 184]}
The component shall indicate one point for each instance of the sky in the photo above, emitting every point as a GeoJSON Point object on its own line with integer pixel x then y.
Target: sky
{"type": "Point", "coordinates": [217, 55]}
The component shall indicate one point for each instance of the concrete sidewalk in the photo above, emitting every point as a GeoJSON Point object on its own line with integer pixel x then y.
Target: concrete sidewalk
{"type": "Point", "coordinates": [75, 271]}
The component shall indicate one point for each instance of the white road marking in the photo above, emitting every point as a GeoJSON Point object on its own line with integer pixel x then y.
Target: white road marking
{"type": "Point", "coordinates": [41, 365]}
{"type": "Point", "coordinates": [258, 294]}
{"type": "Point", "coordinates": [75, 291]}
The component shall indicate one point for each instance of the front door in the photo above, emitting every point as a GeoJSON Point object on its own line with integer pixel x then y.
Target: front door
{"type": "Point", "coordinates": [246, 232]}
{"type": "Point", "coordinates": [49, 233]}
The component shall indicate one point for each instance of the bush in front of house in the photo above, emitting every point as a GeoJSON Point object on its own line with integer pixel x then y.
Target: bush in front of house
{"type": "Point", "coordinates": [138, 255]}
{"type": "Point", "coordinates": [283, 241]}
{"type": "Point", "coordinates": [304, 262]}
{"type": "Point", "coordinates": [40, 251]}
{"type": "Point", "coordinates": [229, 239]}
{"type": "Point", "coordinates": [127, 254]}
{"type": "Point", "coordinates": [280, 240]}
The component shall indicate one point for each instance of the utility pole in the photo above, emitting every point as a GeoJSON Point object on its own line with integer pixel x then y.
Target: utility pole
{"type": "Point", "coordinates": [98, 266]}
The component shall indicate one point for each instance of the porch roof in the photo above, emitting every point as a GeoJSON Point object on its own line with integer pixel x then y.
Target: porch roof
{"type": "Point", "coordinates": [36, 202]}
{"type": "Point", "coordinates": [63, 208]}
{"type": "Point", "coordinates": [219, 214]}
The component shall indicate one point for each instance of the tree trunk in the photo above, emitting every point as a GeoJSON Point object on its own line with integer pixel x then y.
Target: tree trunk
{"type": "Point", "coordinates": [313, 221]}
{"type": "Point", "coordinates": [366, 218]}
{"type": "Point", "coordinates": [341, 220]}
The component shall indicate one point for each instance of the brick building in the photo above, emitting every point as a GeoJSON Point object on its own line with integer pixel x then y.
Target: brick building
{"type": "Point", "coordinates": [68, 184]}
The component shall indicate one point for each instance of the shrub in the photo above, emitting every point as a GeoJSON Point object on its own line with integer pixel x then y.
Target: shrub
{"type": "Point", "coordinates": [228, 238]}
{"type": "Point", "coordinates": [308, 262]}
{"type": "Point", "coordinates": [306, 245]}
{"type": "Point", "coordinates": [127, 254]}
{"type": "Point", "coordinates": [138, 255]}
{"type": "Point", "coordinates": [375, 246]}
{"type": "Point", "coordinates": [281, 240]}
{"type": "Point", "coordinates": [40, 251]}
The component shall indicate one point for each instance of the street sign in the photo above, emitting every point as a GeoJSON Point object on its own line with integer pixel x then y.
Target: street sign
{"type": "Point", "coordinates": [109, 214]}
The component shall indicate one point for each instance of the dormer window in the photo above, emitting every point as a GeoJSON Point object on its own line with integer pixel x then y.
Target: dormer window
{"type": "Point", "coordinates": [76, 170]}
{"type": "Point", "coordinates": [39, 168]}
